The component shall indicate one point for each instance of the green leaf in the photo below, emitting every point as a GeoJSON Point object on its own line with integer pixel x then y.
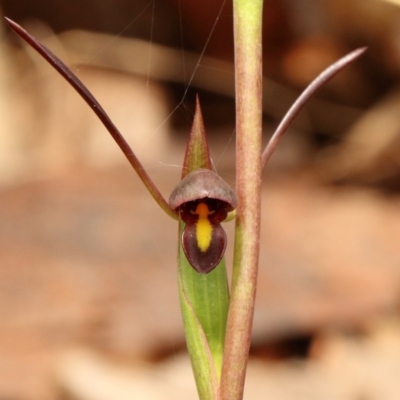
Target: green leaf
{"type": "Point", "coordinates": [208, 295]}
{"type": "Point", "coordinates": [203, 365]}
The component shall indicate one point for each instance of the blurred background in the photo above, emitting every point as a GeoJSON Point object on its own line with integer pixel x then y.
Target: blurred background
{"type": "Point", "coordinates": [88, 297]}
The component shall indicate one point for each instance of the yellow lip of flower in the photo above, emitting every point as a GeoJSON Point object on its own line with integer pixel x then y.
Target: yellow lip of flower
{"type": "Point", "coordinates": [204, 227]}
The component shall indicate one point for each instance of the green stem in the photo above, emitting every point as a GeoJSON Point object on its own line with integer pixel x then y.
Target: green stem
{"type": "Point", "coordinates": [248, 64]}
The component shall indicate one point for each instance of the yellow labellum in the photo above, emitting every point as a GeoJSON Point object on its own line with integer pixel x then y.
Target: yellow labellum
{"type": "Point", "coordinates": [203, 227]}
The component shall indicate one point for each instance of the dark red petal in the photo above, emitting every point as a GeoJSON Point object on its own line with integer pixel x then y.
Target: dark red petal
{"type": "Point", "coordinates": [204, 262]}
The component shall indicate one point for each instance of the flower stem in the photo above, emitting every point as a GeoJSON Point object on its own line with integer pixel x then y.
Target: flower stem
{"type": "Point", "coordinates": [248, 66]}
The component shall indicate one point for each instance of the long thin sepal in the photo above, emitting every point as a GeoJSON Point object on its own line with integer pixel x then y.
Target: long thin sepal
{"type": "Point", "coordinates": [74, 81]}
{"type": "Point", "coordinates": [319, 81]}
